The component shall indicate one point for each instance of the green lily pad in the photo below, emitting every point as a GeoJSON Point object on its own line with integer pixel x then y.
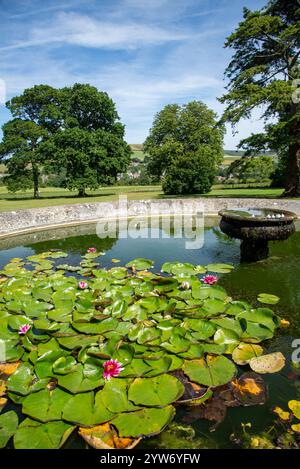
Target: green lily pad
{"type": "Point", "coordinates": [35, 435]}
{"type": "Point", "coordinates": [244, 352]}
{"type": "Point", "coordinates": [268, 298]}
{"type": "Point", "coordinates": [143, 422]}
{"type": "Point", "coordinates": [45, 405]}
{"type": "Point", "coordinates": [211, 371]}
{"type": "Point", "coordinates": [158, 391]}
{"type": "Point", "coordinates": [140, 264]}
{"type": "Point", "coordinates": [8, 426]}
{"type": "Point", "coordinates": [220, 268]}
{"type": "Point", "coordinates": [86, 410]}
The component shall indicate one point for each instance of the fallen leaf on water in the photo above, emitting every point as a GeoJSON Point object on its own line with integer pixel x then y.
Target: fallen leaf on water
{"type": "Point", "coordinates": [250, 389]}
{"type": "Point", "coordinates": [106, 437]}
{"type": "Point", "coordinates": [8, 368]}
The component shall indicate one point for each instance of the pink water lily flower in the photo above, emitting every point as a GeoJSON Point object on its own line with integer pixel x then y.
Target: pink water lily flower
{"type": "Point", "coordinates": [92, 250]}
{"type": "Point", "coordinates": [82, 285]}
{"type": "Point", "coordinates": [210, 279]}
{"type": "Point", "coordinates": [112, 368]}
{"type": "Point", "coordinates": [24, 329]}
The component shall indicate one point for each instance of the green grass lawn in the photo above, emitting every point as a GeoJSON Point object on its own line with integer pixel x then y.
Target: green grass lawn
{"type": "Point", "coordinates": [51, 196]}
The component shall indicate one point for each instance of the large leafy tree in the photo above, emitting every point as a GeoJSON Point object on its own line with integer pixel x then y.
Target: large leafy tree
{"type": "Point", "coordinates": [20, 152]}
{"type": "Point", "coordinates": [75, 129]}
{"type": "Point", "coordinates": [263, 74]}
{"type": "Point", "coordinates": [182, 132]}
{"type": "Point", "coordinates": [36, 114]}
{"type": "Point", "coordinates": [90, 144]}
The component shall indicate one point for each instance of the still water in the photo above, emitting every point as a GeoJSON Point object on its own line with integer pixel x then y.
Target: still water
{"type": "Point", "coordinates": [279, 274]}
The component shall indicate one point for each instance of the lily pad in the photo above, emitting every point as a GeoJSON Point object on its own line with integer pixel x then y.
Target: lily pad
{"type": "Point", "coordinates": [35, 435]}
{"type": "Point", "coordinates": [8, 426]}
{"type": "Point", "coordinates": [158, 391]}
{"type": "Point", "coordinates": [270, 363]}
{"type": "Point", "coordinates": [143, 422]}
{"type": "Point", "coordinates": [210, 371]}
{"type": "Point", "coordinates": [268, 298]}
{"type": "Point", "coordinates": [245, 352]}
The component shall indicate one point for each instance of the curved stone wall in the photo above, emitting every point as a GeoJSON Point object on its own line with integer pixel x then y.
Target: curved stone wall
{"type": "Point", "coordinates": [50, 217]}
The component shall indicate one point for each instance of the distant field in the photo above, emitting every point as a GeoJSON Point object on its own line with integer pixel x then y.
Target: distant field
{"type": "Point", "coordinates": [139, 154]}
{"type": "Point", "coordinates": [52, 196]}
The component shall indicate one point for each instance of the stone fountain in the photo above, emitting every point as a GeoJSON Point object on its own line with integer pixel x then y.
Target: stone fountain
{"type": "Point", "coordinates": [255, 228]}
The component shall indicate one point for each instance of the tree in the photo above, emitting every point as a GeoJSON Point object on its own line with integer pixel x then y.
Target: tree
{"type": "Point", "coordinates": [263, 73]}
{"type": "Point", "coordinates": [73, 130]}
{"type": "Point", "coordinates": [256, 169]}
{"type": "Point", "coordinates": [20, 151]}
{"type": "Point", "coordinates": [36, 113]}
{"type": "Point", "coordinates": [189, 174]}
{"type": "Point", "coordinates": [183, 132]}
{"type": "Point", "coordinates": [90, 144]}
{"type": "Point", "coordinates": [90, 158]}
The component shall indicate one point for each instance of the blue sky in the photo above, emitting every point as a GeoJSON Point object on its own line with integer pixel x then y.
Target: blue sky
{"type": "Point", "coordinates": [144, 53]}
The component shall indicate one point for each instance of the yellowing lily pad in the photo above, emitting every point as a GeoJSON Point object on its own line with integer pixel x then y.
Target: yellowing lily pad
{"type": "Point", "coordinates": [270, 363]}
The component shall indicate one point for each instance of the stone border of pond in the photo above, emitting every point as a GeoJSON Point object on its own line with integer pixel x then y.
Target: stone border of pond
{"type": "Point", "coordinates": [22, 221]}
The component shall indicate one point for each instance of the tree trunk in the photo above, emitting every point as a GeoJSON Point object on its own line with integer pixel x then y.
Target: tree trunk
{"type": "Point", "coordinates": [292, 186]}
{"type": "Point", "coordinates": [81, 192]}
{"type": "Point", "coordinates": [36, 192]}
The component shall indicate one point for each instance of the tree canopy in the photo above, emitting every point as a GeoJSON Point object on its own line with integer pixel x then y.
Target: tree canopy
{"type": "Point", "coordinates": [263, 74]}
{"type": "Point", "coordinates": [255, 169]}
{"type": "Point", "coordinates": [76, 129]}
{"type": "Point", "coordinates": [184, 132]}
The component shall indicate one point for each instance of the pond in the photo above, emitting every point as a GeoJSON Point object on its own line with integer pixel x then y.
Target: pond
{"type": "Point", "coordinates": [278, 275]}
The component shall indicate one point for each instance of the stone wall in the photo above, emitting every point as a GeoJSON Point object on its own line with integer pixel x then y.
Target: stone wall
{"type": "Point", "coordinates": [45, 218]}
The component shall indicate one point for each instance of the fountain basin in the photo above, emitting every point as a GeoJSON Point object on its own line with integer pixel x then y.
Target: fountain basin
{"type": "Point", "coordinates": [256, 227]}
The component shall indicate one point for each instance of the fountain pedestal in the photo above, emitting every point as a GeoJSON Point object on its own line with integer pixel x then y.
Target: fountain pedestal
{"type": "Point", "coordinates": [255, 228]}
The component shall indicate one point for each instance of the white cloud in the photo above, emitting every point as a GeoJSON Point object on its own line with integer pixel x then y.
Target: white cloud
{"type": "Point", "coordinates": [82, 30]}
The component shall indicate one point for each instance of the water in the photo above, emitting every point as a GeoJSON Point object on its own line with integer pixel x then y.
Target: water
{"type": "Point", "coordinates": [279, 274]}
{"type": "Point", "coordinates": [255, 213]}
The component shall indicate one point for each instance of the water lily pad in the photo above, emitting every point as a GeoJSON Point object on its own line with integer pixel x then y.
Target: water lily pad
{"type": "Point", "coordinates": [140, 264]}
{"type": "Point", "coordinates": [8, 426]}
{"type": "Point", "coordinates": [35, 435]}
{"type": "Point", "coordinates": [45, 405]}
{"type": "Point", "coordinates": [86, 409]}
{"type": "Point", "coordinates": [24, 381]}
{"type": "Point", "coordinates": [211, 371]}
{"type": "Point", "coordinates": [143, 422]}
{"type": "Point", "coordinates": [294, 406]}
{"type": "Point", "coordinates": [204, 329]}
{"type": "Point", "coordinates": [244, 352]}
{"type": "Point", "coordinates": [270, 363]}
{"type": "Point", "coordinates": [268, 298]}
{"type": "Point", "coordinates": [158, 391]}
{"type": "Point", "coordinates": [220, 268]}
{"type": "Point", "coordinates": [83, 378]}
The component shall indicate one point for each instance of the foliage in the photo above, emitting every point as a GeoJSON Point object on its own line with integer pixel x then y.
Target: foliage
{"type": "Point", "coordinates": [255, 169]}
{"type": "Point", "coordinates": [170, 333]}
{"type": "Point", "coordinates": [188, 132]}
{"type": "Point", "coordinates": [189, 174]}
{"type": "Point", "coordinates": [266, 46]}
{"type": "Point", "coordinates": [20, 149]}
{"type": "Point", "coordinates": [75, 130]}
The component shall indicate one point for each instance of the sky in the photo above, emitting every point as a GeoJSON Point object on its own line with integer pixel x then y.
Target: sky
{"type": "Point", "coordinates": [143, 53]}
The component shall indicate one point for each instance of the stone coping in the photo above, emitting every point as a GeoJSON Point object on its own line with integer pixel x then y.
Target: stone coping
{"type": "Point", "coordinates": [22, 221]}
